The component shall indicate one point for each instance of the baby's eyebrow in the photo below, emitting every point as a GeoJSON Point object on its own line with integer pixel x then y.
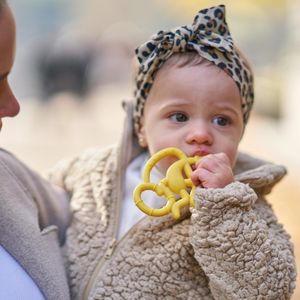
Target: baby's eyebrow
{"type": "Point", "coordinates": [179, 103]}
{"type": "Point", "coordinates": [232, 110]}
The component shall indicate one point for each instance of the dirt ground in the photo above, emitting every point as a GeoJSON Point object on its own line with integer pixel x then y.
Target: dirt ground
{"type": "Point", "coordinates": [44, 133]}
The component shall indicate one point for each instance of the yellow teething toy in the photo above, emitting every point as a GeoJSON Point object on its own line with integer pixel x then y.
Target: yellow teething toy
{"type": "Point", "coordinates": [173, 187]}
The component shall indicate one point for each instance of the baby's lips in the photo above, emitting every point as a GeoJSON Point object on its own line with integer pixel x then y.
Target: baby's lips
{"type": "Point", "coordinates": [200, 152]}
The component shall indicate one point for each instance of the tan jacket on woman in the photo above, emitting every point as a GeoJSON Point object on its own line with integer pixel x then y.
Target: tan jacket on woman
{"type": "Point", "coordinates": [229, 247]}
{"type": "Point", "coordinates": [33, 219]}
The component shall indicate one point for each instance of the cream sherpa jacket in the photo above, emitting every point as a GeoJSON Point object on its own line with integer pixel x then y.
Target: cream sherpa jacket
{"type": "Point", "coordinates": [230, 246]}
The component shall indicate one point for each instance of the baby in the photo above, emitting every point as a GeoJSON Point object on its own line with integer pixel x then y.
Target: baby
{"type": "Point", "coordinates": [194, 91]}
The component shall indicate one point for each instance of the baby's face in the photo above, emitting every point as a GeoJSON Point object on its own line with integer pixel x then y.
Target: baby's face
{"type": "Point", "coordinates": [196, 108]}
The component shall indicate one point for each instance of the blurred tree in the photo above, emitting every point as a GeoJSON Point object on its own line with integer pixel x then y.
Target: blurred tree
{"type": "Point", "coordinates": [190, 6]}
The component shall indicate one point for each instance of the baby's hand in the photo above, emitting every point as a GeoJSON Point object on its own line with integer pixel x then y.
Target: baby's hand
{"type": "Point", "coordinates": [212, 171]}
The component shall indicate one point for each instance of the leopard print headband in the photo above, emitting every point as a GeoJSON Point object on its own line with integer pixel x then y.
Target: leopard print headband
{"type": "Point", "coordinates": [209, 36]}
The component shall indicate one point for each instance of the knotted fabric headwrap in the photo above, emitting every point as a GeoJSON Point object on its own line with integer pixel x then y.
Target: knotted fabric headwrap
{"type": "Point", "coordinates": [209, 36]}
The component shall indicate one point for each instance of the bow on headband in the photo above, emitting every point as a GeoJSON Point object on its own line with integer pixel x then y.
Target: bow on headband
{"type": "Point", "coordinates": [187, 38]}
{"type": "Point", "coordinates": [209, 36]}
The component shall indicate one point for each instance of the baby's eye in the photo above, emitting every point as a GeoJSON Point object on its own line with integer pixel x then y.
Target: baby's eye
{"type": "Point", "coordinates": [221, 121]}
{"type": "Point", "coordinates": [178, 117]}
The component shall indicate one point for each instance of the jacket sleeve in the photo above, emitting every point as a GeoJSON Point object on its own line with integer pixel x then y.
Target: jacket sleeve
{"type": "Point", "coordinates": [68, 171]}
{"type": "Point", "coordinates": [48, 201]}
{"type": "Point", "coordinates": [239, 244]}
{"type": "Point", "coordinates": [60, 172]}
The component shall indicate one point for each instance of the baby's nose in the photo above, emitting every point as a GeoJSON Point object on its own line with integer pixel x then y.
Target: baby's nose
{"type": "Point", "coordinates": [200, 134]}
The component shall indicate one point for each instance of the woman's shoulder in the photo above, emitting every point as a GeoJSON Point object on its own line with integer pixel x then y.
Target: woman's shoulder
{"type": "Point", "coordinates": [10, 165]}
{"type": "Point", "coordinates": [19, 175]}
{"type": "Point", "coordinates": [8, 158]}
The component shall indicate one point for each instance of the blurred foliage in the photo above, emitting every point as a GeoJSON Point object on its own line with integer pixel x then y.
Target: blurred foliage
{"type": "Point", "coordinates": [190, 6]}
{"type": "Point", "coordinates": [258, 28]}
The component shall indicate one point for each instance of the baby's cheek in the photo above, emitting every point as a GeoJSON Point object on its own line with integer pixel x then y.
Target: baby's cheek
{"type": "Point", "coordinates": [232, 155]}
{"type": "Point", "coordinates": [233, 159]}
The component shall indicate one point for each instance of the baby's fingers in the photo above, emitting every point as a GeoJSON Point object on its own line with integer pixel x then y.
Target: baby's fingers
{"type": "Point", "coordinates": [202, 177]}
{"type": "Point", "coordinates": [209, 179]}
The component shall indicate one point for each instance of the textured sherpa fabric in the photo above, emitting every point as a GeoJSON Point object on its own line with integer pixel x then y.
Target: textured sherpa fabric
{"type": "Point", "coordinates": [229, 247]}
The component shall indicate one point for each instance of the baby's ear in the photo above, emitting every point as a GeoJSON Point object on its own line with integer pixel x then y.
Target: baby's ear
{"type": "Point", "coordinates": [142, 135]}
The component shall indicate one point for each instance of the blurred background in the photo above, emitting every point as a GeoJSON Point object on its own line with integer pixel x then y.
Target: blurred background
{"type": "Point", "coordinates": [73, 69]}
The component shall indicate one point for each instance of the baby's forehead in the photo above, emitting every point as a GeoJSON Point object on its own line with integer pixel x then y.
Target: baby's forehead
{"type": "Point", "coordinates": [189, 67]}
{"type": "Point", "coordinates": [203, 84]}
